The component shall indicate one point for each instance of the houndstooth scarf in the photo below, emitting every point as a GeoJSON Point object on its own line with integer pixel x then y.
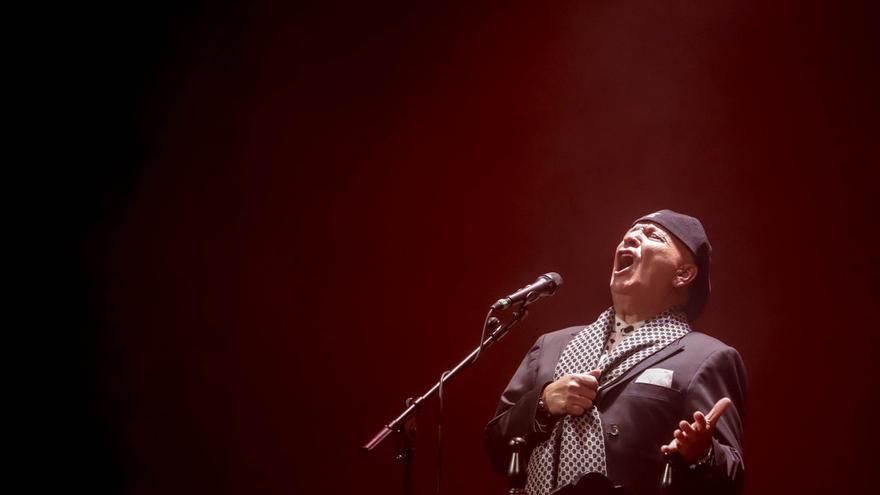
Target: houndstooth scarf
{"type": "Point", "coordinates": [576, 445]}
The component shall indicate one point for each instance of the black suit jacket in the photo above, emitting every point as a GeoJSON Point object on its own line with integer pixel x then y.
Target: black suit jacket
{"type": "Point", "coordinates": [637, 418]}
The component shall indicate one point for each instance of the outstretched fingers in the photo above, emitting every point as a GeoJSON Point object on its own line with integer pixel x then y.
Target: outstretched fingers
{"type": "Point", "coordinates": [669, 448]}
{"type": "Point", "coordinates": [678, 435]}
{"type": "Point", "coordinates": [717, 410]}
{"type": "Point", "coordinates": [688, 433]}
{"type": "Point", "coordinates": [686, 428]}
{"type": "Point", "coordinates": [700, 424]}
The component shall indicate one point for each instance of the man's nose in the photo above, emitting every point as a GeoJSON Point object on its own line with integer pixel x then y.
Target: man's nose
{"type": "Point", "coordinates": [631, 240]}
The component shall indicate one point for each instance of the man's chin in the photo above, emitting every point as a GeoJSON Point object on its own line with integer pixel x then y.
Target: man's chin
{"type": "Point", "coordinates": [622, 287]}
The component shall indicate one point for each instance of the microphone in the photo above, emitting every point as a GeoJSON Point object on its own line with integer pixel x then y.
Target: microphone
{"type": "Point", "coordinates": [546, 285]}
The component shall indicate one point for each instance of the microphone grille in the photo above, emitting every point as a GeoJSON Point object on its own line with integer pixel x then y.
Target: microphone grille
{"type": "Point", "coordinates": [555, 278]}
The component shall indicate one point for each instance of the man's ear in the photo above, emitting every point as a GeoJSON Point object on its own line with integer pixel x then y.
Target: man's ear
{"type": "Point", "coordinates": [684, 275]}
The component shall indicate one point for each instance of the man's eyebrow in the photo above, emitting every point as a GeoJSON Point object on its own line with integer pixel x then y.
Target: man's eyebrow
{"type": "Point", "coordinates": [654, 228]}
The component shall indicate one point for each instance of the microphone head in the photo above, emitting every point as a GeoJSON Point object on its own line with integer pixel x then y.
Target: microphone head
{"type": "Point", "coordinates": [555, 279]}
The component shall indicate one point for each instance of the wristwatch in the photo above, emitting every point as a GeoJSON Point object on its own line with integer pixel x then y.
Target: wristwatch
{"type": "Point", "coordinates": [544, 421]}
{"type": "Point", "coordinates": [707, 459]}
{"type": "Point", "coordinates": [542, 407]}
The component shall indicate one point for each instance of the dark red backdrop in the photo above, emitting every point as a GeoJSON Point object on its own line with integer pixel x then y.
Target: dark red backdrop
{"type": "Point", "coordinates": [317, 203]}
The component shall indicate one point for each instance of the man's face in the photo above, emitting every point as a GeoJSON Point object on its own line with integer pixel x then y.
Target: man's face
{"type": "Point", "coordinates": [646, 261]}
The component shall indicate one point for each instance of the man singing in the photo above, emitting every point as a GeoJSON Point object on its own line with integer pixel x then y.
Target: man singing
{"type": "Point", "coordinates": [616, 395]}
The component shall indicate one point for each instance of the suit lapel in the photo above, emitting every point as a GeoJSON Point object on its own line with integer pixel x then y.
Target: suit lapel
{"type": "Point", "coordinates": [666, 352]}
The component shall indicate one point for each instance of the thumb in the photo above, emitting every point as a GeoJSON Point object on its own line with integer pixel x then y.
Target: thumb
{"type": "Point", "coordinates": [595, 373]}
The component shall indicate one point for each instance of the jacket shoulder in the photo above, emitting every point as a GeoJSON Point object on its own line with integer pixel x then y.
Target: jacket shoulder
{"type": "Point", "coordinates": [701, 340]}
{"type": "Point", "coordinates": [563, 334]}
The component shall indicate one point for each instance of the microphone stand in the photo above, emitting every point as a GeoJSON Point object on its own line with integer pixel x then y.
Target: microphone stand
{"type": "Point", "coordinates": [403, 426]}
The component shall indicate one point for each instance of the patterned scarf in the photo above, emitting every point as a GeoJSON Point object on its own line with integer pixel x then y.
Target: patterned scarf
{"type": "Point", "coordinates": [577, 446]}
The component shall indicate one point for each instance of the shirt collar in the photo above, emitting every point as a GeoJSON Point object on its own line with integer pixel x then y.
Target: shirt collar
{"type": "Point", "coordinates": [619, 324]}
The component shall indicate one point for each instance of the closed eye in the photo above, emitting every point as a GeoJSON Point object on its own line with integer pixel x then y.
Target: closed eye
{"type": "Point", "coordinates": [655, 234]}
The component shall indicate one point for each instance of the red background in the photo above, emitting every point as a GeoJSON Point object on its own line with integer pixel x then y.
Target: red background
{"type": "Point", "coordinates": [296, 216]}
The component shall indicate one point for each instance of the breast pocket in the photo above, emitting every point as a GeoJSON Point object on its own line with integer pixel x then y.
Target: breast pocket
{"type": "Point", "coordinates": [655, 392]}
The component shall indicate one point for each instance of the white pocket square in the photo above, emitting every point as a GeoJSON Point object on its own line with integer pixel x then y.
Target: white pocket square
{"type": "Point", "coordinates": [656, 376]}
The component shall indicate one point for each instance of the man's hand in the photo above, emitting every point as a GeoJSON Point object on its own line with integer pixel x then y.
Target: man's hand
{"type": "Point", "coordinates": [571, 394]}
{"type": "Point", "coordinates": [692, 440]}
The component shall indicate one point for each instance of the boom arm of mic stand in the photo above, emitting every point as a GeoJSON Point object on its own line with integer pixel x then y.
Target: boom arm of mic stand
{"type": "Point", "coordinates": [397, 425]}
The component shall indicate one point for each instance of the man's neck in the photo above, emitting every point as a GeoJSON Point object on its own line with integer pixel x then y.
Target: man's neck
{"type": "Point", "coordinates": [632, 311]}
{"type": "Point", "coordinates": [633, 317]}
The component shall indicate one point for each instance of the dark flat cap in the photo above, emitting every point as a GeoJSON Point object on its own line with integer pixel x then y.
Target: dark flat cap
{"type": "Point", "coordinates": [690, 232]}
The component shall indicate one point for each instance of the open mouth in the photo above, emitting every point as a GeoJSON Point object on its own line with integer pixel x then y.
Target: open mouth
{"type": "Point", "coordinates": [624, 261]}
